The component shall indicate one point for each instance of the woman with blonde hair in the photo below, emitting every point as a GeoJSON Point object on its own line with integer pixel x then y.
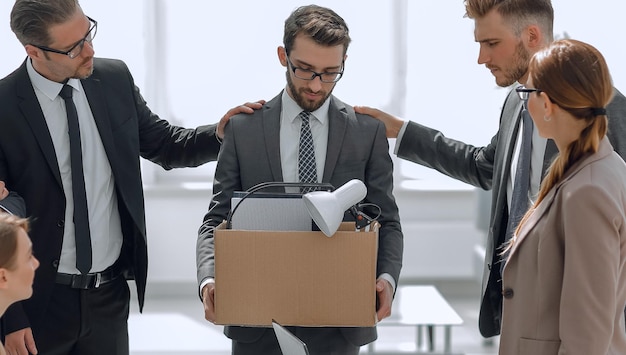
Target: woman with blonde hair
{"type": "Point", "coordinates": [564, 282]}
{"type": "Point", "coordinates": [17, 263]}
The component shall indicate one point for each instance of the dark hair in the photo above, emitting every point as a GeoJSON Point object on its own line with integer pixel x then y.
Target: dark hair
{"type": "Point", "coordinates": [9, 226]}
{"type": "Point", "coordinates": [575, 77]}
{"type": "Point", "coordinates": [518, 14]}
{"type": "Point", "coordinates": [321, 24]}
{"type": "Point", "coordinates": [31, 19]}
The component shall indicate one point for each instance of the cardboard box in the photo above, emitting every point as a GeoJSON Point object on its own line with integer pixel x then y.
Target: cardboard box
{"type": "Point", "coordinates": [296, 278]}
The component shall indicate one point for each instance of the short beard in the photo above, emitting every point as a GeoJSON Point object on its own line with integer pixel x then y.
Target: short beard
{"type": "Point", "coordinates": [84, 76]}
{"type": "Point", "coordinates": [519, 66]}
{"type": "Point", "coordinates": [305, 104]}
{"type": "Point", "coordinates": [80, 76]}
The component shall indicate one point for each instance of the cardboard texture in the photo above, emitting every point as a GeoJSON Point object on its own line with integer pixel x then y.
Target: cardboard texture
{"type": "Point", "coordinates": [296, 278]}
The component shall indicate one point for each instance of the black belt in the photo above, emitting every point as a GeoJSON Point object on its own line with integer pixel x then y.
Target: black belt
{"type": "Point", "coordinates": [89, 281]}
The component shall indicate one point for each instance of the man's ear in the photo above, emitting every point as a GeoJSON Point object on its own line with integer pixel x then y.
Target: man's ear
{"type": "Point", "coordinates": [33, 52]}
{"type": "Point", "coordinates": [282, 55]}
{"type": "Point", "coordinates": [534, 37]}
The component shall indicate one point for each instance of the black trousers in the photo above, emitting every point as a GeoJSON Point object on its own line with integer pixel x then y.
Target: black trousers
{"type": "Point", "coordinates": [319, 341]}
{"type": "Point", "coordinates": [79, 322]}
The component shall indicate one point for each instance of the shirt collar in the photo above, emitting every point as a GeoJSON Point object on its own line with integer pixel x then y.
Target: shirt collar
{"type": "Point", "coordinates": [48, 87]}
{"type": "Point", "coordinates": [291, 109]}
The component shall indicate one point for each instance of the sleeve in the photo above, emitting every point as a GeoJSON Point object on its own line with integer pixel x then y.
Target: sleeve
{"type": "Point", "coordinates": [168, 145]}
{"type": "Point", "coordinates": [429, 147]}
{"type": "Point", "coordinates": [592, 254]}
{"type": "Point", "coordinates": [379, 182]}
{"type": "Point", "coordinates": [226, 181]}
{"type": "Point", "coordinates": [616, 112]}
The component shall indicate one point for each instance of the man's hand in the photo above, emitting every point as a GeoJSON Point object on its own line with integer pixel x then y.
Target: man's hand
{"type": "Point", "coordinates": [384, 295]}
{"type": "Point", "coordinates": [20, 342]}
{"type": "Point", "coordinates": [392, 123]}
{"type": "Point", "coordinates": [248, 108]}
{"type": "Point", "coordinates": [3, 191]}
{"type": "Point", "coordinates": [208, 300]}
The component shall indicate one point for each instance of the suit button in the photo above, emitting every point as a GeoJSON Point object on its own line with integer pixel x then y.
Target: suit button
{"type": "Point", "coordinates": [55, 264]}
{"type": "Point", "coordinates": [61, 223]}
{"type": "Point", "coordinates": [507, 293]}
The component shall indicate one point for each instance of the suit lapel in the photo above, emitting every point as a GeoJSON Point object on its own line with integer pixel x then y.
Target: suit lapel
{"type": "Point", "coordinates": [271, 125]}
{"type": "Point", "coordinates": [509, 122]}
{"type": "Point", "coordinates": [34, 116]}
{"type": "Point", "coordinates": [96, 98]}
{"type": "Point", "coordinates": [337, 124]}
{"type": "Point", "coordinates": [510, 128]}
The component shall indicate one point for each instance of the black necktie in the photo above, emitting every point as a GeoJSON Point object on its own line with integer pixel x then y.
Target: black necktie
{"type": "Point", "coordinates": [81, 216]}
{"type": "Point", "coordinates": [519, 198]}
{"type": "Point", "coordinates": [307, 169]}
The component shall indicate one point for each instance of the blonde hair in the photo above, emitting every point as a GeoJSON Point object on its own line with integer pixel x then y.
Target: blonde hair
{"type": "Point", "coordinates": [518, 14]}
{"type": "Point", "coordinates": [9, 226]}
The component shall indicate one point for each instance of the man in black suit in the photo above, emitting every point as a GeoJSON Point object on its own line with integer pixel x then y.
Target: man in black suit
{"type": "Point", "coordinates": [264, 147]}
{"type": "Point", "coordinates": [81, 310]}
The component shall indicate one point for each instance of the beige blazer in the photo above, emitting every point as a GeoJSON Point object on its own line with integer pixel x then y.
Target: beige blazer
{"type": "Point", "coordinates": [564, 283]}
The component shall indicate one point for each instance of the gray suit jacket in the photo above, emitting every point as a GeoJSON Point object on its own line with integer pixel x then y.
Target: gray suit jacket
{"type": "Point", "coordinates": [564, 280]}
{"type": "Point", "coordinates": [488, 167]}
{"type": "Point", "coordinates": [357, 149]}
{"type": "Point", "coordinates": [14, 204]}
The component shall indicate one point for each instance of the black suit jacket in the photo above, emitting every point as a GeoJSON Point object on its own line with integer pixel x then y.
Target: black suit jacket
{"type": "Point", "coordinates": [357, 149]}
{"type": "Point", "coordinates": [128, 130]}
{"type": "Point", "coordinates": [489, 167]}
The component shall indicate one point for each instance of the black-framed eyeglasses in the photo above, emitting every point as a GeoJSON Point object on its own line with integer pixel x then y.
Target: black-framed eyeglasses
{"type": "Point", "coordinates": [307, 74]}
{"type": "Point", "coordinates": [523, 92]}
{"type": "Point", "coordinates": [78, 47]}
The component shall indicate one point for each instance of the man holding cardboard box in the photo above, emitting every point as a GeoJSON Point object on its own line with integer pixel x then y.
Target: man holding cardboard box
{"type": "Point", "coordinates": [268, 146]}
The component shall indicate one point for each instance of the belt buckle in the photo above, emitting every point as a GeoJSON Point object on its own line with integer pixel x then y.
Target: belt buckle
{"type": "Point", "coordinates": [98, 279]}
{"type": "Point", "coordinates": [86, 281]}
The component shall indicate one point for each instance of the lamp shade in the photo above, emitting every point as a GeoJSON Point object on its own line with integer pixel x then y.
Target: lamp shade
{"type": "Point", "coordinates": [327, 208]}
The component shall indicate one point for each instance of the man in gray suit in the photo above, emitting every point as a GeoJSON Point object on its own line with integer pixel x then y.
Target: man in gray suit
{"type": "Point", "coordinates": [509, 33]}
{"type": "Point", "coordinates": [263, 147]}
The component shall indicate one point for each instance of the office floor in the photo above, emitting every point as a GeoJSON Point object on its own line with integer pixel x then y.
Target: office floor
{"type": "Point", "coordinates": [172, 324]}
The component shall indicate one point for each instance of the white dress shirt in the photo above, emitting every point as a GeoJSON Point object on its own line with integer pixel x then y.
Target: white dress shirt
{"type": "Point", "coordinates": [104, 218]}
{"type": "Point", "coordinates": [290, 137]}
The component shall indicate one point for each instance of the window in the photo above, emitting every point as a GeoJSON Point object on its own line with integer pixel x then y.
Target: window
{"type": "Point", "coordinates": [186, 58]}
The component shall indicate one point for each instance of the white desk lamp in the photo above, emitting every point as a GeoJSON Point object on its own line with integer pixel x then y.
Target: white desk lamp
{"type": "Point", "coordinates": [327, 208]}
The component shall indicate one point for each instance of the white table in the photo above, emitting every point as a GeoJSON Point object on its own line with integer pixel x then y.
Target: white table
{"type": "Point", "coordinates": [423, 306]}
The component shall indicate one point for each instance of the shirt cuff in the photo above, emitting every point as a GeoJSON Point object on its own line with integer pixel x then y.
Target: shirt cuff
{"type": "Point", "coordinates": [400, 135]}
{"type": "Point", "coordinates": [205, 282]}
{"type": "Point", "coordinates": [219, 140]}
{"type": "Point", "coordinates": [389, 278]}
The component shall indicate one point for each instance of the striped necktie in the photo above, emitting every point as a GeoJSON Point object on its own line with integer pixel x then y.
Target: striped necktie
{"type": "Point", "coordinates": [307, 169]}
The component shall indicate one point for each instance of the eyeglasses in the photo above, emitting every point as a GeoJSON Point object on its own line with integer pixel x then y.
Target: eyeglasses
{"type": "Point", "coordinates": [78, 47]}
{"type": "Point", "coordinates": [307, 74]}
{"type": "Point", "coordinates": [523, 92]}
